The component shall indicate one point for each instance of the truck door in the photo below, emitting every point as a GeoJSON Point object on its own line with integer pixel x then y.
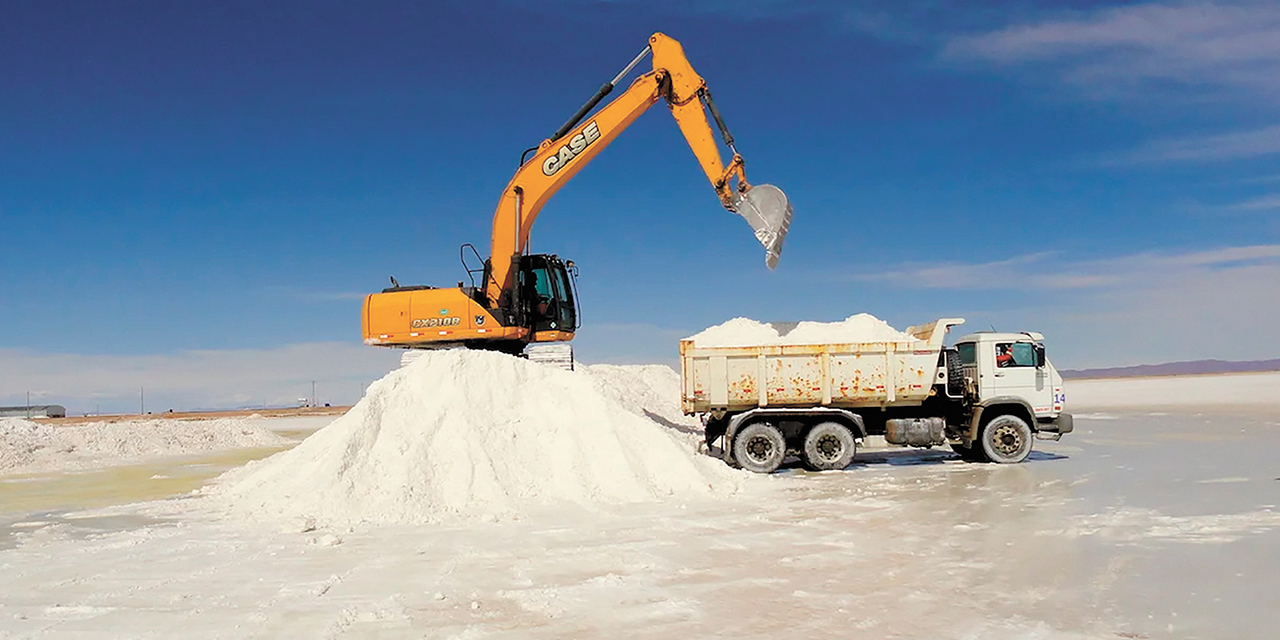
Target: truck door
{"type": "Point", "coordinates": [1016, 374]}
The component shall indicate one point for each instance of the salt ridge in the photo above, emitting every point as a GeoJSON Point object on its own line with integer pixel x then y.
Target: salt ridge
{"type": "Point", "coordinates": [30, 447]}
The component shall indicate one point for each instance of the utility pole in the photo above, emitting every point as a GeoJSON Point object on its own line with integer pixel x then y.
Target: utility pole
{"type": "Point", "coordinates": [313, 393]}
{"type": "Point", "coordinates": [28, 405]}
{"type": "Point", "coordinates": [142, 401]}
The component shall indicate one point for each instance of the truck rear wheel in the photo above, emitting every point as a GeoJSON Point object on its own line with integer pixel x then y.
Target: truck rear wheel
{"type": "Point", "coordinates": [828, 446]}
{"type": "Point", "coordinates": [1005, 439]}
{"type": "Point", "coordinates": [759, 447]}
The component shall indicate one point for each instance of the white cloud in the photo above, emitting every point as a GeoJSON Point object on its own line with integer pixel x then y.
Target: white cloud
{"type": "Point", "coordinates": [1030, 271]}
{"type": "Point", "coordinates": [1146, 307]}
{"type": "Point", "coordinates": [1269, 202]}
{"type": "Point", "coordinates": [1226, 312]}
{"type": "Point", "coordinates": [279, 376]}
{"type": "Point", "coordinates": [193, 379]}
{"type": "Point", "coordinates": [1224, 146]}
{"type": "Point", "coordinates": [1142, 307]}
{"type": "Point", "coordinates": [1161, 54]}
{"type": "Point", "coordinates": [1052, 270]}
{"type": "Point", "coordinates": [1259, 180]}
{"type": "Point", "coordinates": [1205, 44]}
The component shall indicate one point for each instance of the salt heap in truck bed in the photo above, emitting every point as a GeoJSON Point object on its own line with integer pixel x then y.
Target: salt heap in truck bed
{"type": "Point", "coordinates": [745, 332]}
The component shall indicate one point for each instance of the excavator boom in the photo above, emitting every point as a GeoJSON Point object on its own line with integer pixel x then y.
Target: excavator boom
{"type": "Point", "coordinates": [560, 157]}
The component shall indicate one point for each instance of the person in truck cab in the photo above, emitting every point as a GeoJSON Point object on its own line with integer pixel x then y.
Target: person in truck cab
{"type": "Point", "coordinates": [1004, 355]}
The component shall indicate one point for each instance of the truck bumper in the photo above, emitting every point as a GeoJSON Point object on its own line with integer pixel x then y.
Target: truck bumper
{"type": "Point", "coordinates": [1055, 428]}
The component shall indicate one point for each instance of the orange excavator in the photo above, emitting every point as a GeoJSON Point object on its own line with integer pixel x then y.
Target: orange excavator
{"type": "Point", "coordinates": [527, 302]}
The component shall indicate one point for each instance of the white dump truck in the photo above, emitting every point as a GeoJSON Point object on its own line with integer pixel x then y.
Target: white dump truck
{"type": "Point", "coordinates": [988, 396]}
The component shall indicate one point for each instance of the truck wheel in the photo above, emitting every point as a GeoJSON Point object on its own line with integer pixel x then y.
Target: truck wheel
{"type": "Point", "coordinates": [1006, 439]}
{"type": "Point", "coordinates": [759, 447]}
{"type": "Point", "coordinates": [828, 446]}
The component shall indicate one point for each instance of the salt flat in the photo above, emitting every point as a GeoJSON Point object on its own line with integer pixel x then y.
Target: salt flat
{"type": "Point", "coordinates": [1157, 519]}
{"type": "Point", "coordinates": [1228, 389]}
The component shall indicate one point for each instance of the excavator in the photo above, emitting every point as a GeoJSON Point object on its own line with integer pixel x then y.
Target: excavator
{"type": "Point", "coordinates": [526, 304]}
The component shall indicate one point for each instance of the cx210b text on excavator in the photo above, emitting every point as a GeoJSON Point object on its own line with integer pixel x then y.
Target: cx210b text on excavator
{"type": "Point", "coordinates": [527, 302]}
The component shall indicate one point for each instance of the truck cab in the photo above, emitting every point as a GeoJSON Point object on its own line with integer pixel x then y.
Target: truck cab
{"type": "Point", "coordinates": [1009, 370]}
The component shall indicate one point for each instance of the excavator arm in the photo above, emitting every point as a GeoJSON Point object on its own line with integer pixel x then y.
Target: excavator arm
{"type": "Point", "coordinates": [572, 147]}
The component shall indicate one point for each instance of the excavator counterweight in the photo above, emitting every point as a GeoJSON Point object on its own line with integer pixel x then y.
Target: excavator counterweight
{"type": "Point", "coordinates": [530, 298]}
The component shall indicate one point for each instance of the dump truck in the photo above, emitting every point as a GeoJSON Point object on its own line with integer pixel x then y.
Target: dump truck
{"type": "Point", "coordinates": [988, 396]}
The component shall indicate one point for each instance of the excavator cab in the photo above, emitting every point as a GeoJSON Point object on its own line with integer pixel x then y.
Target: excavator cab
{"type": "Point", "coordinates": [547, 300]}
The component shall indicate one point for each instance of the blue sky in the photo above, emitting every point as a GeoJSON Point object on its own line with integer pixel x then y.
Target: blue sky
{"type": "Point", "coordinates": [194, 197]}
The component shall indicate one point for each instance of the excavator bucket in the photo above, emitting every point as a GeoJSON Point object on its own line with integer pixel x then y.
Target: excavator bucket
{"type": "Point", "coordinates": [768, 211]}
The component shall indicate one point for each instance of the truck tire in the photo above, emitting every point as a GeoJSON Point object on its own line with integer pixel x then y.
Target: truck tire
{"type": "Point", "coordinates": [1005, 439]}
{"type": "Point", "coordinates": [759, 447]}
{"type": "Point", "coordinates": [828, 446]}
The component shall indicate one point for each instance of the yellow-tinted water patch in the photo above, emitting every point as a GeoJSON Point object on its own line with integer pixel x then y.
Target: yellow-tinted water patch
{"type": "Point", "coordinates": [154, 480]}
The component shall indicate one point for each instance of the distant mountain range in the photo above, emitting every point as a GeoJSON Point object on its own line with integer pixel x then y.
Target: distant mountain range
{"type": "Point", "coordinates": [1193, 367]}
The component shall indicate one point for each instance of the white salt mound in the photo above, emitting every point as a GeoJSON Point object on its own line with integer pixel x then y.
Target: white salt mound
{"type": "Point", "coordinates": [744, 332]}
{"type": "Point", "coordinates": [651, 391]}
{"type": "Point", "coordinates": [738, 332]}
{"type": "Point", "coordinates": [471, 434]}
{"type": "Point", "coordinates": [862, 327]}
{"type": "Point", "coordinates": [31, 447]}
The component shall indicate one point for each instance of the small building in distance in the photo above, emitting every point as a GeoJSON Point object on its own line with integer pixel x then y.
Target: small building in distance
{"type": "Point", "coordinates": [34, 411]}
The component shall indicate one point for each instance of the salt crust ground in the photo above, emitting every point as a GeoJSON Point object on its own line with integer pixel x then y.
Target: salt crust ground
{"type": "Point", "coordinates": [29, 447]}
{"type": "Point", "coordinates": [1248, 389]}
{"type": "Point", "coordinates": [466, 434]}
{"type": "Point", "coordinates": [857, 328]}
{"type": "Point", "coordinates": [1155, 525]}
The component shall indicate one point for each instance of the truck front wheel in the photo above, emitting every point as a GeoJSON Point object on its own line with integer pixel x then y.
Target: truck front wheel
{"type": "Point", "coordinates": [828, 446]}
{"type": "Point", "coordinates": [1006, 439]}
{"type": "Point", "coordinates": [759, 447]}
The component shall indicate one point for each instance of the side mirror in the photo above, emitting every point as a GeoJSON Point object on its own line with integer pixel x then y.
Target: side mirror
{"type": "Point", "coordinates": [1039, 356]}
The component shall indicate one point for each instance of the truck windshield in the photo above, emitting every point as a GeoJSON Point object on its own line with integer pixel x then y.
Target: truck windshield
{"type": "Point", "coordinates": [1015, 354]}
{"type": "Point", "coordinates": [968, 353]}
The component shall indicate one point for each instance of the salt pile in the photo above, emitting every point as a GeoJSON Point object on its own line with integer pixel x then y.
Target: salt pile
{"type": "Point", "coordinates": [472, 434]}
{"type": "Point", "coordinates": [31, 447]}
{"type": "Point", "coordinates": [651, 391]}
{"type": "Point", "coordinates": [744, 332]}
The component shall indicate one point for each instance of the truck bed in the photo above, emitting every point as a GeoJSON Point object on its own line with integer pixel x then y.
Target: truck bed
{"type": "Point", "coordinates": [738, 378]}
{"type": "Point", "coordinates": [866, 374]}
